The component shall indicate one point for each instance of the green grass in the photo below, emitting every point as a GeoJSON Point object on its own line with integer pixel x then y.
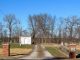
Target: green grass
{"type": "Point", "coordinates": [14, 45]}
{"type": "Point", "coordinates": [55, 51]}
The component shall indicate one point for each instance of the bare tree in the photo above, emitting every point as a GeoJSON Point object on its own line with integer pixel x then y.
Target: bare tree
{"type": "Point", "coordinates": [1, 32]}
{"type": "Point", "coordinates": [53, 20]}
{"type": "Point", "coordinates": [10, 21]}
{"type": "Point", "coordinates": [60, 30]}
{"type": "Point", "coordinates": [4, 33]}
{"type": "Point", "coordinates": [32, 27]}
{"type": "Point", "coordinates": [71, 24]}
{"type": "Point", "coordinates": [42, 25]}
{"type": "Point", "coordinates": [77, 30]}
{"type": "Point", "coordinates": [17, 31]}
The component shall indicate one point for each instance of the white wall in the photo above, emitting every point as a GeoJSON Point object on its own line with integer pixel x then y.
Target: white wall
{"type": "Point", "coordinates": [25, 40]}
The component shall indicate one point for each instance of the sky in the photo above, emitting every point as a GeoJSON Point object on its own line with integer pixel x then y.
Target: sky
{"type": "Point", "coordinates": [23, 8]}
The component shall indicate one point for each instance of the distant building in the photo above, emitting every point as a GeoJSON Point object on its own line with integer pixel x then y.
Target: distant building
{"type": "Point", "coordinates": [24, 40]}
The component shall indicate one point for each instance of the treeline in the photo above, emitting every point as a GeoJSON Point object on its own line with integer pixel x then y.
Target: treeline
{"type": "Point", "coordinates": [42, 26]}
{"type": "Point", "coordinates": [11, 29]}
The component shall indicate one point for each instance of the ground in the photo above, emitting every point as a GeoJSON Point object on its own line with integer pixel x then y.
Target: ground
{"type": "Point", "coordinates": [16, 51]}
{"type": "Point", "coordinates": [39, 51]}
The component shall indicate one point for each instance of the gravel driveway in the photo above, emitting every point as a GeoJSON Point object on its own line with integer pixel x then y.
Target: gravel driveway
{"type": "Point", "coordinates": [39, 52]}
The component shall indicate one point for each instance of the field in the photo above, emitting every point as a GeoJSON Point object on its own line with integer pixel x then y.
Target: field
{"type": "Point", "coordinates": [17, 51]}
{"type": "Point", "coordinates": [56, 52]}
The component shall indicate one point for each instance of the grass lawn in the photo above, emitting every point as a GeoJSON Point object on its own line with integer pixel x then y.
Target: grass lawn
{"type": "Point", "coordinates": [55, 52]}
{"type": "Point", "coordinates": [16, 51]}
{"type": "Point", "coordinates": [16, 45]}
{"type": "Point", "coordinates": [19, 51]}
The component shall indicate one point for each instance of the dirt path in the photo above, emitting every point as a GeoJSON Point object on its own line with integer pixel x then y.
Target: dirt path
{"type": "Point", "coordinates": [39, 52]}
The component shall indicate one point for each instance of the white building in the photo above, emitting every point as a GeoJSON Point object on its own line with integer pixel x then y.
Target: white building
{"type": "Point", "coordinates": [25, 40]}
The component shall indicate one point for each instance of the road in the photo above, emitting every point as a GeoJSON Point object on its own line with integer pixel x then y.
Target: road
{"type": "Point", "coordinates": [39, 52]}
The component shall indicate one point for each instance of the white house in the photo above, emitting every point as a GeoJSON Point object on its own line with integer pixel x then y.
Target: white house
{"type": "Point", "coordinates": [25, 40]}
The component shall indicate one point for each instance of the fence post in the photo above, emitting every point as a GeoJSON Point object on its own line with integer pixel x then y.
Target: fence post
{"type": "Point", "coordinates": [6, 49]}
{"type": "Point", "coordinates": [72, 51]}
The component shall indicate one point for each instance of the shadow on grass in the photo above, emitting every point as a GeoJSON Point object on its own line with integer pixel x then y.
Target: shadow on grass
{"type": "Point", "coordinates": [17, 54]}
